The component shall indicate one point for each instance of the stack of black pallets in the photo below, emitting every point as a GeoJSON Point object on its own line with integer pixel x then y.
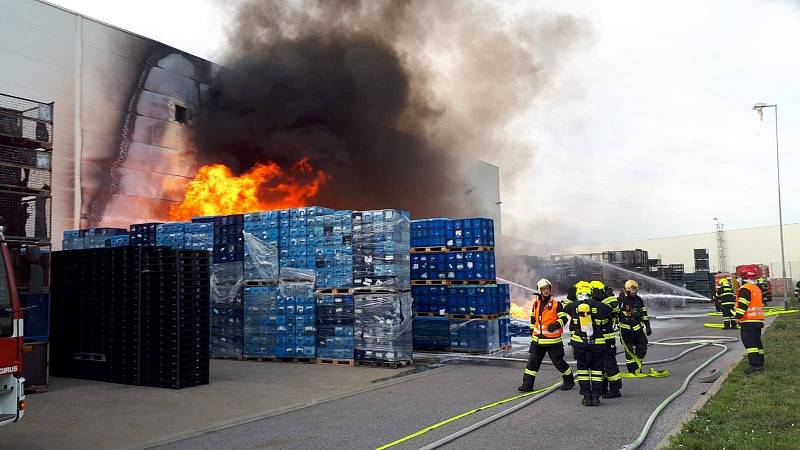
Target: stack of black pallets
{"type": "Point", "coordinates": [131, 315]}
{"type": "Point", "coordinates": [175, 312]}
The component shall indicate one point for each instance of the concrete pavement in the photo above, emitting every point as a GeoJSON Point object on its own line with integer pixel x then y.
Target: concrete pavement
{"type": "Point", "coordinates": [373, 418]}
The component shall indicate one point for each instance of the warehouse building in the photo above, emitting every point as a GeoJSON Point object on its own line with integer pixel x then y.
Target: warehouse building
{"type": "Point", "coordinates": [123, 148]}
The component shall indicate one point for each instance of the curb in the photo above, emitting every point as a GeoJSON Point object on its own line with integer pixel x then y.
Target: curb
{"type": "Point", "coordinates": [705, 397]}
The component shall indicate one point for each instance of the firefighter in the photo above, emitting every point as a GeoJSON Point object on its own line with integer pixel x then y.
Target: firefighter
{"type": "Point", "coordinates": [749, 313]}
{"type": "Point", "coordinates": [765, 294]}
{"type": "Point", "coordinates": [726, 300]}
{"type": "Point", "coordinates": [547, 320]}
{"type": "Point", "coordinates": [588, 342]}
{"type": "Point", "coordinates": [612, 378]}
{"type": "Point", "coordinates": [634, 326]}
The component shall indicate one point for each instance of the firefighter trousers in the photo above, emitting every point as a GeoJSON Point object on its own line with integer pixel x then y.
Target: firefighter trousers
{"type": "Point", "coordinates": [612, 379]}
{"type": "Point", "coordinates": [751, 339]}
{"type": "Point", "coordinates": [537, 353]}
{"type": "Point", "coordinates": [635, 345]}
{"type": "Point", "coordinates": [728, 321]}
{"type": "Point", "coordinates": [590, 368]}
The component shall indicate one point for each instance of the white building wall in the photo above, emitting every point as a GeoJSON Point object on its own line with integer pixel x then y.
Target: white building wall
{"type": "Point", "coordinates": [744, 246]}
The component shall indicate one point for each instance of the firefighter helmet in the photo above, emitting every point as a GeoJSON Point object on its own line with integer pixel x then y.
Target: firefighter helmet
{"type": "Point", "coordinates": [724, 282]}
{"type": "Point", "coordinates": [543, 283]}
{"type": "Point", "coordinates": [631, 284]}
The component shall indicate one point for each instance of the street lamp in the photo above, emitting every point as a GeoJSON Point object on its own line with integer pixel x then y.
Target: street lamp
{"type": "Point", "coordinates": [759, 109]}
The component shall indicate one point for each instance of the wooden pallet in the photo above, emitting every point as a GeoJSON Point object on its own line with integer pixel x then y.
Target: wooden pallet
{"type": "Point", "coordinates": [472, 316]}
{"type": "Point", "coordinates": [466, 282]}
{"type": "Point", "coordinates": [376, 290]}
{"type": "Point", "coordinates": [336, 362]}
{"type": "Point", "coordinates": [471, 248]}
{"type": "Point", "coordinates": [428, 282]}
{"type": "Point", "coordinates": [435, 249]}
{"type": "Point", "coordinates": [259, 283]}
{"type": "Point", "coordinates": [505, 348]}
{"type": "Point", "coordinates": [383, 364]}
{"type": "Point", "coordinates": [335, 291]}
{"type": "Point", "coordinates": [429, 314]}
{"type": "Point", "coordinates": [289, 359]}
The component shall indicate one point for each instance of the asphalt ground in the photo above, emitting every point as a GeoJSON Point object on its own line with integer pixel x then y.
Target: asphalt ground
{"type": "Point", "coordinates": [370, 419]}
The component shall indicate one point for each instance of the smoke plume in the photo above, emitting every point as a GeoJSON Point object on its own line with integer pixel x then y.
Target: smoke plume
{"type": "Point", "coordinates": [390, 98]}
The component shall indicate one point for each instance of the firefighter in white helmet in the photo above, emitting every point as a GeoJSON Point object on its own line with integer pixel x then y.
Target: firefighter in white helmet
{"type": "Point", "coordinates": [634, 326]}
{"type": "Point", "coordinates": [547, 321]}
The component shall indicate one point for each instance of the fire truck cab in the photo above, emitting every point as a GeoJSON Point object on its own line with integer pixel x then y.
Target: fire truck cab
{"type": "Point", "coordinates": [12, 384]}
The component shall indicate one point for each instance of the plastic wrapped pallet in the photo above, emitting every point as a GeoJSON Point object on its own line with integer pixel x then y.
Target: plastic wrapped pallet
{"type": "Point", "coordinates": [430, 299]}
{"type": "Point", "coordinates": [381, 244]}
{"type": "Point", "coordinates": [260, 259]}
{"type": "Point", "coordinates": [199, 236]}
{"type": "Point", "coordinates": [335, 319]}
{"type": "Point", "coordinates": [227, 315]}
{"type": "Point", "coordinates": [383, 326]}
{"type": "Point", "coordinates": [331, 239]}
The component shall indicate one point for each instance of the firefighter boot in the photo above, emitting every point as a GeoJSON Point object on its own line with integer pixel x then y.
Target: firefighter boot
{"type": "Point", "coordinates": [568, 385]}
{"type": "Point", "coordinates": [587, 400]}
{"type": "Point", "coordinates": [527, 383]}
{"type": "Point", "coordinates": [595, 400]}
{"type": "Point", "coordinates": [612, 394]}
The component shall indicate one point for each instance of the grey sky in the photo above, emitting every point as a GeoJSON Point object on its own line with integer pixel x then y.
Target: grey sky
{"type": "Point", "coordinates": [647, 129]}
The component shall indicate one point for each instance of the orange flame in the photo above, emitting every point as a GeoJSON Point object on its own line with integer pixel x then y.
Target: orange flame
{"type": "Point", "coordinates": [522, 312]}
{"type": "Point", "coordinates": [216, 191]}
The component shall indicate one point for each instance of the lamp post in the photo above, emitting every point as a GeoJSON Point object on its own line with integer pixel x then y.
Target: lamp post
{"type": "Point", "coordinates": [759, 108]}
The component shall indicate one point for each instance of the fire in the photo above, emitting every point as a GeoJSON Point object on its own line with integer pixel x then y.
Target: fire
{"type": "Point", "coordinates": [521, 312]}
{"type": "Point", "coordinates": [215, 190]}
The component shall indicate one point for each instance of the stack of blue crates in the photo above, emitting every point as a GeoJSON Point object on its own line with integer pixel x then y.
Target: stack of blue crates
{"type": "Point", "coordinates": [171, 234]}
{"type": "Point", "coordinates": [295, 329]}
{"type": "Point", "coordinates": [332, 241]}
{"type": "Point", "coordinates": [261, 309]}
{"type": "Point", "coordinates": [475, 335]}
{"type": "Point", "coordinates": [430, 299]}
{"type": "Point", "coordinates": [429, 232]}
{"type": "Point", "coordinates": [470, 232]}
{"type": "Point", "coordinates": [228, 237]}
{"type": "Point", "coordinates": [143, 234]}
{"type": "Point", "coordinates": [431, 333]}
{"type": "Point", "coordinates": [381, 242]}
{"type": "Point", "coordinates": [92, 238]}
{"type": "Point", "coordinates": [477, 300]}
{"type": "Point", "coordinates": [198, 236]}
{"type": "Point", "coordinates": [297, 233]}
{"type": "Point", "coordinates": [453, 233]}
{"type": "Point", "coordinates": [471, 265]}
{"type": "Point", "coordinates": [429, 266]}
{"type": "Point", "coordinates": [453, 273]}
{"type": "Point", "coordinates": [335, 318]}
{"type": "Point", "coordinates": [264, 226]}
{"type": "Point", "coordinates": [122, 240]}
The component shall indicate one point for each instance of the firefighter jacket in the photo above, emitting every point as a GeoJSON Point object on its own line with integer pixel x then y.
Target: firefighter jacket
{"type": "Point", "coordinates": [749, 305]}
{"type": "Point", "coordinates": [724, 296]}
{"type": "Point", "coordinates": [545, 312]}
{"type": "Point", "coordinates": [611, 323]}
{"type": "Point", "coordinates": [632, 313]}
{"type": "Point", "coordinates": [593, 334]}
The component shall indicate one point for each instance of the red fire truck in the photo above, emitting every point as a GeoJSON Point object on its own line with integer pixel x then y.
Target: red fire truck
{"type": "Point", "coordinates": [12, 384]}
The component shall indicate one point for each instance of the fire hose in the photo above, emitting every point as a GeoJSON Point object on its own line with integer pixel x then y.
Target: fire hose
{"type": "Point", "coordinates": [701, 341]}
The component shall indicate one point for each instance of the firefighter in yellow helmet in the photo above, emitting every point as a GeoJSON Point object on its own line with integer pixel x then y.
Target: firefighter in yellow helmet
{"type": "Point", "coordinates": [726, 300]}
{"type": "Point", "coordinates": [547, 321]}
{"type": "Point", "coordinates": [588, 342]}
{"type": "Point", "coordinates": [634, 326]}
{"type": "Point", "coordinates": [612, 379]}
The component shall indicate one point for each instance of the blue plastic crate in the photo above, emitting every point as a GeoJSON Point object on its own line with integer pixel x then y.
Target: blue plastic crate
{"type": "Point", "coordinates": [36, 312]}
